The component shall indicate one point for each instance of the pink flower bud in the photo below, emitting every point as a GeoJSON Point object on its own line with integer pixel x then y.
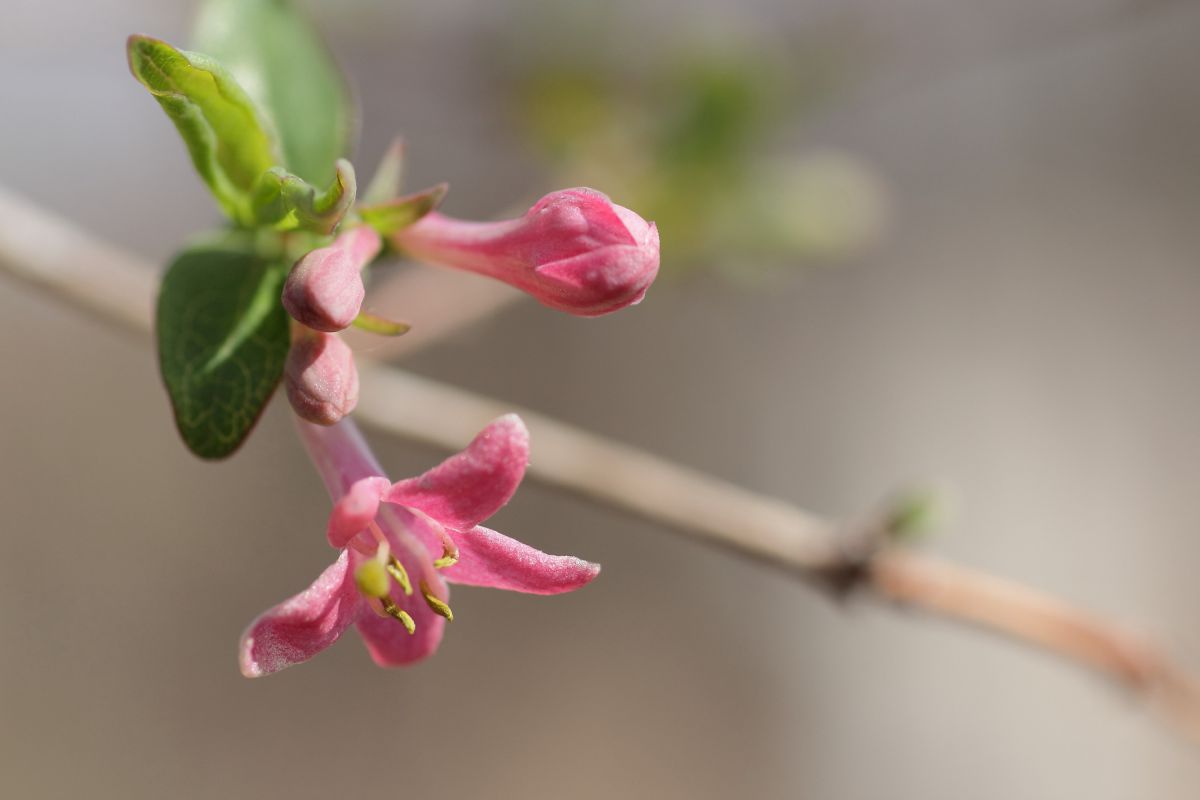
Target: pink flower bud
{"type": "Point", "coordinates": [320, 376]}
{"type": "Point", "coordinates": [575, 250]}
{"type": "Point", "coordinates": [324, 290]}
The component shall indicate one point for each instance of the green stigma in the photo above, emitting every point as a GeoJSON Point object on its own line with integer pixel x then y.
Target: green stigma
{"type": "Point", "coordinates": [372, 579]}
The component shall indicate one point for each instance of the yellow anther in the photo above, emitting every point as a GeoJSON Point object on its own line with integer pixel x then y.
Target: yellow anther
{"type": "Point", "coordinates": [395, 612]}
{"type": "Point", "coordinates": [436, 604]}
{"type": "Point", "coordinates": [372, 579]}
{"type": "Point", "coordinates": [449, 556]}
{"type": "Point", "coordinates": [397, 571]}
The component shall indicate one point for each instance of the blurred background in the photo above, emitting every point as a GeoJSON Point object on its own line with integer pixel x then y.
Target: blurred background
{"type": "Point", "coordinates": [903, 241]}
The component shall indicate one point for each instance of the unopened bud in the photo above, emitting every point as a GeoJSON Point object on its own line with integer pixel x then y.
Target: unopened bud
{"type": "Point", "coordinates": [324, 290]}
{"type": "Point", "coordinates": [575, 251]}
{"type": "Point", "coordinates": [320, 377]}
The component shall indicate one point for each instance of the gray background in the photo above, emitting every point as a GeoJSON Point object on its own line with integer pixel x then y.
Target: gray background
{"type": "Point", "coordinates": [1025, 332]}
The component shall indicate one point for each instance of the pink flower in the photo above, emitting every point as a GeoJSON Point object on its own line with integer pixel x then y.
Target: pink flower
{"type": "Point", "coordinates": [400, 544]}
{"type": "Point", "coordinates": [575, 250]}
{"type": "Point", "coordinates": [324, 290]}
{"type": "Point", "coordinates": [320, 376]}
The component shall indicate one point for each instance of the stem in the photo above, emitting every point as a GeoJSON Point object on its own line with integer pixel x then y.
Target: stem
{"type": "Point", "coordinates": [64, 261]}
{"type": "Point", "coordinates": [56, 257]}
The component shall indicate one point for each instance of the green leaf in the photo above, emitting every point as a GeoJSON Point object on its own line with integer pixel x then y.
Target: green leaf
{"type": "Point", "coordinates": [222, 342]}
{"type": "Point", "coordinates": [288, 202]}
{"type": "Point", "coordinates": [387, 218]}
{"type": "Point", "coordinates": [228, 142]}
{"type": "Point", "coordinates": [277, 55]}
{"type": "Point", "coordinates": [389, 175]}
{"type": "Point", "coordinates": [913, 514]}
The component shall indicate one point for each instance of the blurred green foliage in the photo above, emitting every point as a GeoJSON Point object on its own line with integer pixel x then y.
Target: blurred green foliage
{"type": "Point", "coordinates": [690, 139]}
{"type": "Point", "coordinates": [278, 57]}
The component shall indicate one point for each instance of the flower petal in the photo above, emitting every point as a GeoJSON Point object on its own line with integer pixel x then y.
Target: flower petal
{"type": "Point", "coordinates": [355, 510]}
{"type": "Point", "coordinates": [299, 628]}
{"type": "Point", "coordinates": [491, 559]}
{"type": "Point", "coordinates": [469, 487]}
{"type": "Point", "coordinates": [429, 532]}
{"type": "Point", "coordinates": [390, 645]}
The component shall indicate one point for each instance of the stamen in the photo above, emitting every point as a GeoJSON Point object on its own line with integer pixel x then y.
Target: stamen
{"type": "Point", "coordinates": [395, 612]}
{"type": "Point", "coordinates": [449, 555]}
{"type": "Point", "coordinates": [397, 571]}
{"type": "Point", "coordinates": [436, 604]}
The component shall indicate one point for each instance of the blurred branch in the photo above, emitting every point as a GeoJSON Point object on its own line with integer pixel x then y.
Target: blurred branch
{"type": "Point", "coordinates": [53, 255]}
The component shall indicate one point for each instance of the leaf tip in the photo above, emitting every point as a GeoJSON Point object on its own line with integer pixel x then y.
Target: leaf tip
{"type": "Point", "coordinates": [344, 172]}
{"type": "Point", "coordinates": [135, 43]}
{"type": "Point", "coordinates": [141, 51]}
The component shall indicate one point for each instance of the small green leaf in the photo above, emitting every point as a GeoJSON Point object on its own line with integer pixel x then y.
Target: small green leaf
{"type": "Point", "coordinates": [288, 202]}
{"type": "Point", "coordinates": [380, 326]}
{"type": "Point", "coordinates": [389, 176]}
{"type": "Point", "coordinates": [278, 56]}
{"type": "Point", "coordinates": [222, 342]}
{"type": "Point", "coordinates": [228, 142]}
{"type": "Point", "coordinates": [387, 218]}
{"type": "Point", "coordinates": [913, 514]}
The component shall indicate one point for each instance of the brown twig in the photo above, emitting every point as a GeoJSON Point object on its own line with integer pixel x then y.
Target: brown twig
{"type": "Point", "coordinates": [985, 601]}
{"type": "Point", "coordinates": [53, 255]}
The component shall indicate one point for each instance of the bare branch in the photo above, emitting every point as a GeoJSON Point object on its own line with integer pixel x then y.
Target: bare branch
{"type": "Point", "coordinates": [56, 257]}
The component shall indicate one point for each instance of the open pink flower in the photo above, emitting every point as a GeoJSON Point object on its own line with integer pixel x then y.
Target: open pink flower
{"type": "Point", "coordinates": [400, 543]}
{"type": "Point", "coordinates": [575, 251]}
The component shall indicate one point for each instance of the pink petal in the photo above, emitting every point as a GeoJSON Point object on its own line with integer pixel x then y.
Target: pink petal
{"type": "Point", "coordinates": [601, 281]}
{"type": "Point", "coordinates": [429, 532]}
{"type": "Point", "coordinates": [390, 645]}
{"type": "Point", "coordinates": [467, 488]}
{"type": "Point", "coordinates": [491, 559]}
{"type": "Point", "coordinates": [355, 510]}
{"type": "Point", "coordinates": [299, 628]}
{"type": "Point", "coordinates": [573, 221]}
